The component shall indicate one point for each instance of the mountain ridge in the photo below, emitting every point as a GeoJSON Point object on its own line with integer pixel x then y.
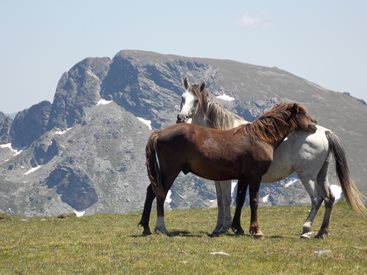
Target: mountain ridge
{"type": "Point", "coordinates": [90, 156]}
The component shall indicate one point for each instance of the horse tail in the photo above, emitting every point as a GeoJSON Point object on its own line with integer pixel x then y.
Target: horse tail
{"type": "Point", "coordinates": [152, 164]}
{"type": "Point", "coordinates": [353, 195]}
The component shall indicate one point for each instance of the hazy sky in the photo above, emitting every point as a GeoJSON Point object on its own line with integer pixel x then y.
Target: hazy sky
{"type": "Point", "coordinates": [322, 41]}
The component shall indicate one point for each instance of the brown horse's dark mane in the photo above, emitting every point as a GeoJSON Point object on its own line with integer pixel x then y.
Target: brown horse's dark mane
{"type": "Point", "coordinates": [274, 123]}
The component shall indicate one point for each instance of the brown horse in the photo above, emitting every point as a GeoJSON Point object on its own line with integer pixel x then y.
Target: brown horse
{"type": "Point", "coordinates": [243, 153]}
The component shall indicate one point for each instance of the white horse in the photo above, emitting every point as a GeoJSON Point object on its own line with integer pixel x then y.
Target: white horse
{"type": "Point", "coordinates": [307, 154]}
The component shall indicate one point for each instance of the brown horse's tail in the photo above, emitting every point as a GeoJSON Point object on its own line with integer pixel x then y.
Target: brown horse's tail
{"type": "Point", "coordinates": [353, 195]}
{"type": "Point", "coordinates": [152, 164]}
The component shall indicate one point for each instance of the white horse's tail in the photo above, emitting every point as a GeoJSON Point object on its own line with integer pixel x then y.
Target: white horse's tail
{"type": "Point", "coordinates": [353, 195]}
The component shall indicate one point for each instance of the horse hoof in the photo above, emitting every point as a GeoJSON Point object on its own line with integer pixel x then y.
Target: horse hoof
{"type": "Point", "coordinates": [238, 231]}
{"type": "Point", "coordinates": [225, 229]}
{"type": "Point", "coordinates": [258, 235]}
{"type": "Point", "coordinates": [256, 232]}
{"type": "Point", "coordinates": [306, 235]}
{"type": "Point", "coordinates": [220, 231]}
{"type": "Point", "coordinates": [161, 231]}
{"type": "Point", "coordinates": [214, 234]}
{"type": "Point", "coordinates": [146, 232]}
{"type": "Point", "coordinates": [321, 235]}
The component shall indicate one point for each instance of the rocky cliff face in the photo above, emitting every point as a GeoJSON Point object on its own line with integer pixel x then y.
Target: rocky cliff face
{"type": "Point", "coordinates": [77, 90]}
{"type": "Point", "coordinates": [86, 150]}
{"type": "Point", "coordinates": [5, 124]}
{"type": "Point", "coordinates": [29, 125]}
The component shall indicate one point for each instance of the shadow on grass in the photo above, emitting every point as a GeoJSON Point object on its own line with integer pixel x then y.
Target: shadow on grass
{"type": "Point", "coordinates": [234, 235]}
{"type": "Point", "coordinates": [185, 233]}
{"type": "Point", "coordinates": [277, 237]}
{"type": "Point", "coordinates": [177, 233]}
{"type": "Point", "coordinates": [201, 234]}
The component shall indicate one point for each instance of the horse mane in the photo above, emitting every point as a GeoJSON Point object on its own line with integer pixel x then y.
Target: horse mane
{"type": "Point", "coordinates": [268, 127]}
{"type": "Point", "coordinates": [274, 123]}
{"type": "Point", "coordinates": [216, 116]}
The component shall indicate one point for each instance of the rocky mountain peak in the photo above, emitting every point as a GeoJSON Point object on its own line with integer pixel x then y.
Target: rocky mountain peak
{"type": "Point", "coordinates": [5, 124]}
{"type": "Point", "coordinates": [78, 89]}
{"type": "Point", "coordinates": [29, 125]}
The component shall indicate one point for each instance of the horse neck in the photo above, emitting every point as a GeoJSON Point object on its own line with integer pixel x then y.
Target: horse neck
{"type": "Point", "coordinates": [269, 131]}
{"type": "Point", "coordinates": [199, 119]}
{"type": "Point", "coordinates": [214, 116]}
{"type": "Point", "coordinates": [277, 142]}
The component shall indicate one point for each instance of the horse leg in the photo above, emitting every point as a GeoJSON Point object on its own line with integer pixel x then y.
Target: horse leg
{"type": "Point", "coordinates": [220, 216]}
{"type": "Point", "coordinates": [226, 191]}
{"type": "Point", "coordinates": [254, 202]}
{"type": "Point", "coordinates": [223, 189]}
{"type": "Point", "coordinates": [167, 181]}
{"type": "Point", "coordinates": [160, 226]}
{"type": "Point", "coordinates": [144, 221]}
{"type": "Point", "coordinates": [240, 200]}
{"type": "Point", "coordinates": [329, 203]}
{"type": "Point", "coordinates": [316, 201]}
{"type": "Point", "coordinates": [323, 182]}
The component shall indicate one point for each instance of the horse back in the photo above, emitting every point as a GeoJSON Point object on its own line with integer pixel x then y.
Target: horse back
{"type": "Point", "coordinates": [174, 144]}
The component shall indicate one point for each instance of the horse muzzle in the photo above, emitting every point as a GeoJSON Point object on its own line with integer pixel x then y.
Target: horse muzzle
{"type": "Point", "coordinates": [312, 127]}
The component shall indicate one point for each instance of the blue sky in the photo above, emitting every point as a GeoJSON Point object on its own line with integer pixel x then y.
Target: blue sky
{"type": "Point", "coordinates": [323, 41]}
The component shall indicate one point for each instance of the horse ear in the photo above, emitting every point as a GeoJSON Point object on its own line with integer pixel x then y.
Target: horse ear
{"type": "Point", "coordinates": [186, 83]}
{"type": "Point", "coordinates": [296, 107]}
{"type": "Point", "coordinates": [202, 86]}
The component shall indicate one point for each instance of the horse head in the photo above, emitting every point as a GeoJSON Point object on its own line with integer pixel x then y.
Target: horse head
{"type": "Point", "coordinates": [302, 118]}
{"type": "Point", "coordinates": [189, 101]}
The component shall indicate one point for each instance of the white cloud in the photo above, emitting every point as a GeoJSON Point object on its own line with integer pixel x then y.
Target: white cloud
{"type": "Point", "coordinates": [249, 21]}
{"type": "Point", "coordinates": [254, 21]}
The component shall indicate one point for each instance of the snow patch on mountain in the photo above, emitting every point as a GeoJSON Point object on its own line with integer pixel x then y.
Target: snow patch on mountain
{"type": "Point", "coordinates": [146, 122]}
{"type": "Point", "coordinates": [61, 132]}
{"type": "Point", "coordinates": [8, 145]}
{"type": "Point", "coordinates": [337, 191]}
{"type": "Point", "coordinates": [225, 97]}
{"type": "Point", "coordinates": [104, 102]}
{"type": "Point", "coordinates": [32, 170]}
{"type": "Point", "coordinates": [289, 183]}
{"type": "Point", "coordinates": [265, 198]}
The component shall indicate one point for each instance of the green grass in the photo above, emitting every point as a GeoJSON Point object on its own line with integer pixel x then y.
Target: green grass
{"type": "Point", "coordinates": [112, 244]}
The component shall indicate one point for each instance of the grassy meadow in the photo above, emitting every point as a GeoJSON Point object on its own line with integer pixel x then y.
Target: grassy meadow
{"type": "Point", "coordinates": [112, 244]}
